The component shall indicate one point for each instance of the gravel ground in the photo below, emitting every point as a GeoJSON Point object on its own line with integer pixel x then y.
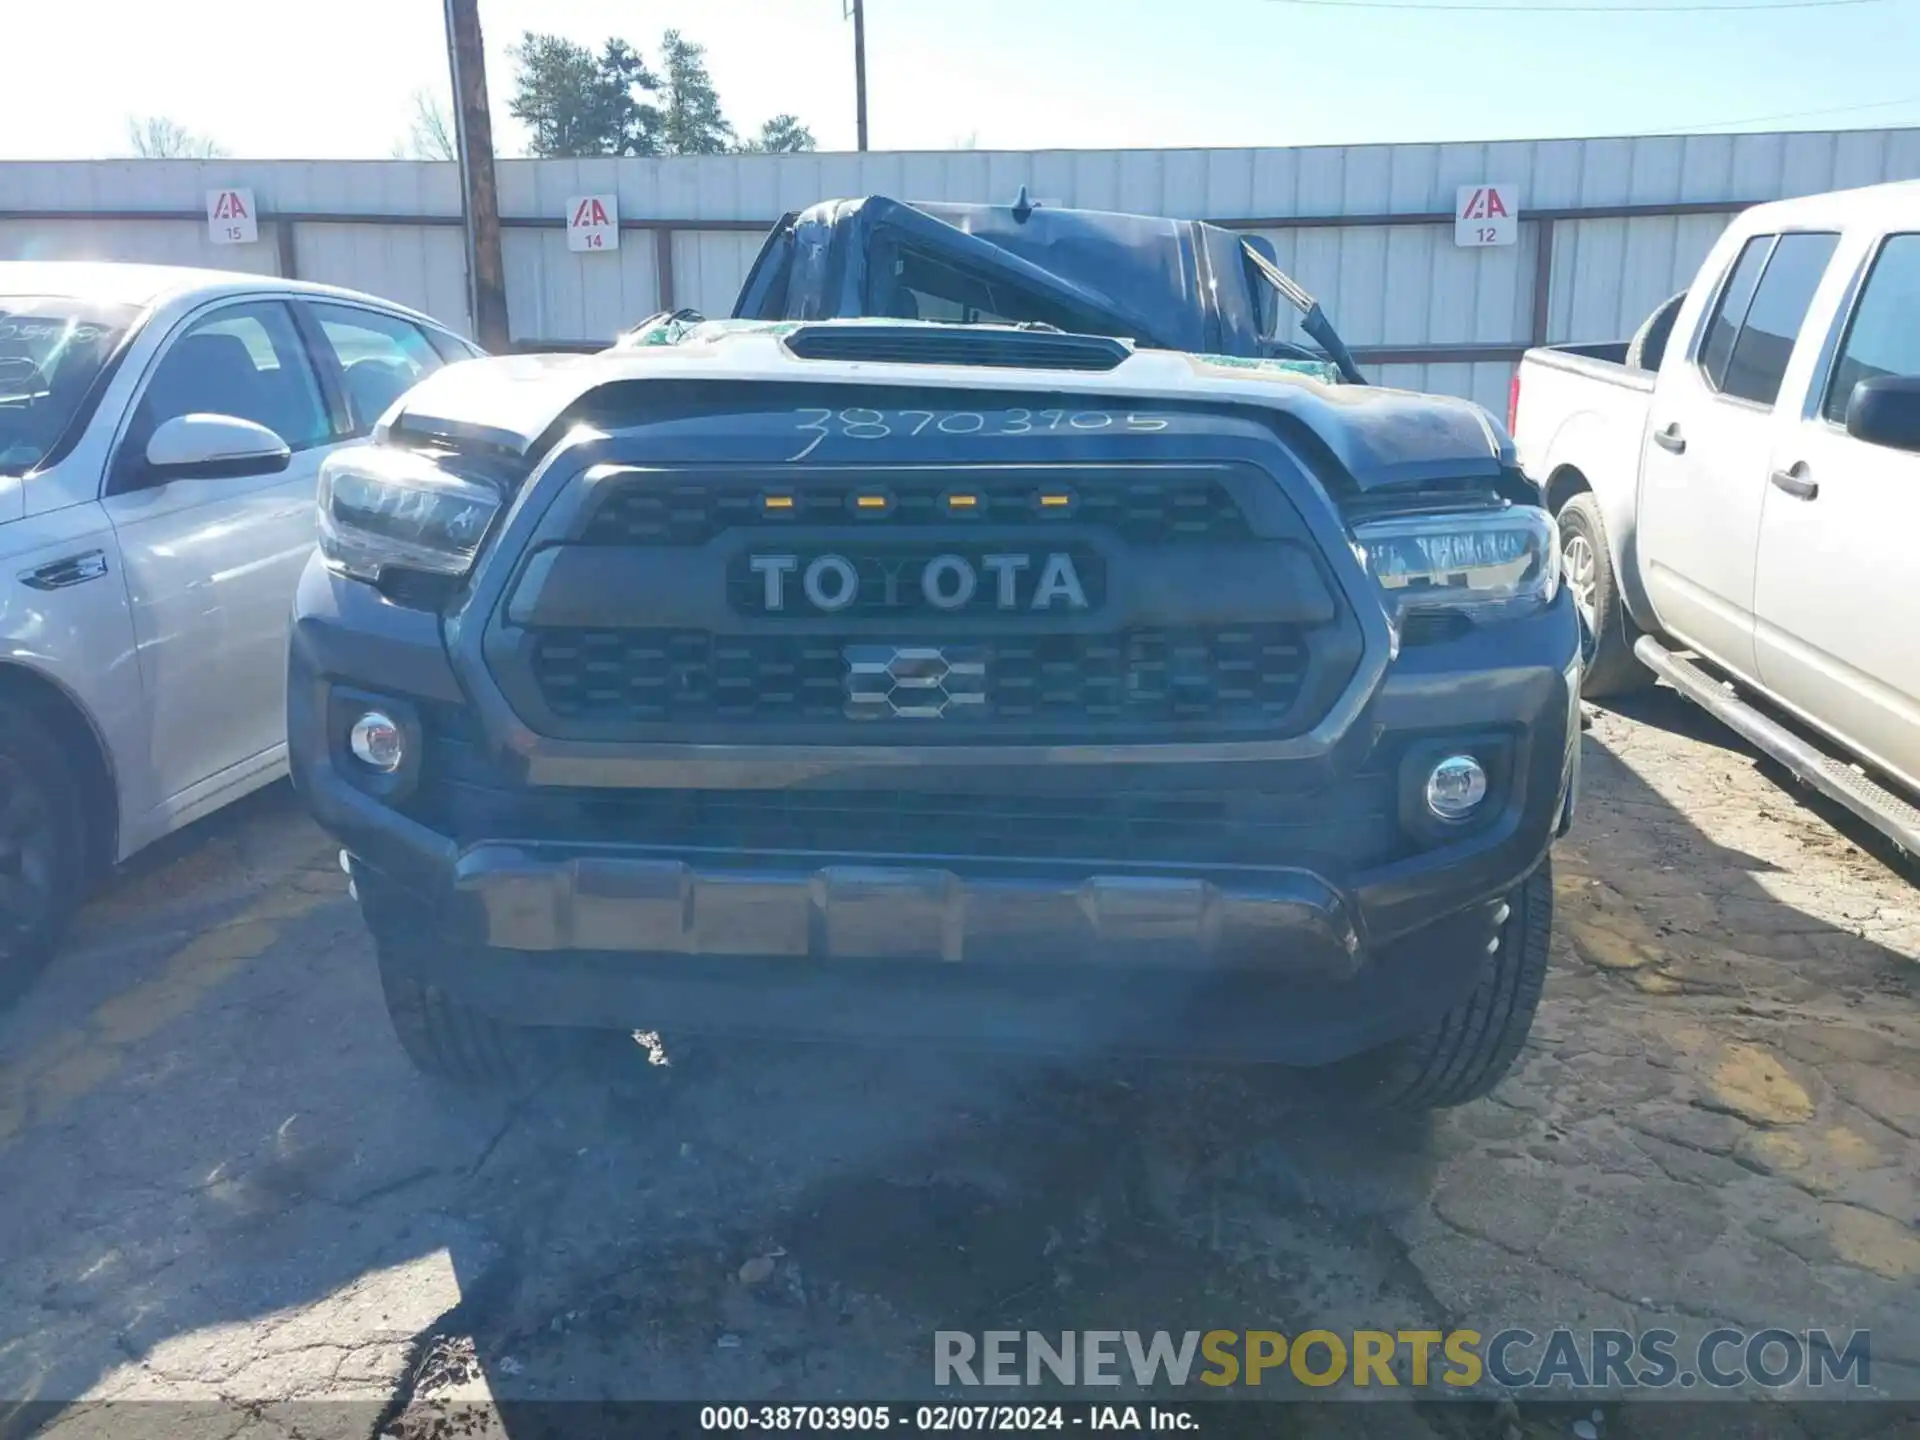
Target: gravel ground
{"type": "Point", "coordinates": [220, 1182]}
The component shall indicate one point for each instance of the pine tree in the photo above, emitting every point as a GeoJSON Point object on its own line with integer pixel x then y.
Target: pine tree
{"type": "Point", "coordinates": [782, 135]}
{"type": "Point", "coordinates": [576, 103]}
{"type": "Point", "coordinates": [692, 123]}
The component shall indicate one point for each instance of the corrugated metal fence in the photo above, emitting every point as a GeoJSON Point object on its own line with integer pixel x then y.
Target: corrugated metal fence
{"type": "Point", "coordinates": [1609, 226]}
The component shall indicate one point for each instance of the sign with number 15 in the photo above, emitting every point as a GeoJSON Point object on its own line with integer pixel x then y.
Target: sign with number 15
{"type": "Point", "coordinates": [231, 217]}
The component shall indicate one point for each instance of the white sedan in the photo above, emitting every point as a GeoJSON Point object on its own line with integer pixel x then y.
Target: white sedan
{"type": "Point", "coordinates": [161, 431]}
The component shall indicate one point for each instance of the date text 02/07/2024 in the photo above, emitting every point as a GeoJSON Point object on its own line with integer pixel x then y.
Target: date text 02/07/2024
{"type": "Point", "coordinates": [948, 1419]}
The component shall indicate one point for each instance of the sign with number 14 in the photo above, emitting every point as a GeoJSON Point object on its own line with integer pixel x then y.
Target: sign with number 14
{"type": "Point", "coordinates": [593, 222]}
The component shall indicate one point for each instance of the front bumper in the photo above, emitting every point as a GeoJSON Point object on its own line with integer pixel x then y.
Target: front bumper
{"type": "Point", "coordinates": [520, 897]}
{"type": "Point", "coordinates": [1297, 961]}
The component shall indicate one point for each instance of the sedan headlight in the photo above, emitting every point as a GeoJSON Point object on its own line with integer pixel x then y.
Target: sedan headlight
{"type": "Point", "coordinates": [1490, 564]}
{"type": "Point", "coordinates": [384, 509]}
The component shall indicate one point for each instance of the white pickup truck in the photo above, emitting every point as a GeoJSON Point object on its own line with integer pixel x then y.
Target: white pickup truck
{"type": "Point", "coordinates": [1741, 481]}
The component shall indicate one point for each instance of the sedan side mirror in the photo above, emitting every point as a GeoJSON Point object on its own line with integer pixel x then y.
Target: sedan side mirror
{"type": "Point", "coordinates": [212, 447]}
{"type": "Point", "coordinates": [1886, 411]}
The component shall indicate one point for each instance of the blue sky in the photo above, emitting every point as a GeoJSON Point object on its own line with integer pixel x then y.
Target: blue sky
{"type": "Point", "coordinates": [270, 78]}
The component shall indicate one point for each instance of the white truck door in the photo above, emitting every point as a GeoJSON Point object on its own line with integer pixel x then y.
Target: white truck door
{"type": "Point", "coordinates": [1710, 437]}
{"type": "Point", "coordinates": [211, 564]}
{"type": "Point", "coordinates": [1834, 600]}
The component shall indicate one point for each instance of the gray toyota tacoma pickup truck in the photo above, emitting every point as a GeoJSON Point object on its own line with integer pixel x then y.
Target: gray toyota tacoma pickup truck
{"type": "Point", "coordinates": [938, 683]}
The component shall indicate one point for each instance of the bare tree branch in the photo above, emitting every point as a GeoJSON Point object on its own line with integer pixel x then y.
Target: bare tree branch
{"type": "Point", "coordinates": [430, 136]}
{"type": "Point", "coordinates": [155, 137]}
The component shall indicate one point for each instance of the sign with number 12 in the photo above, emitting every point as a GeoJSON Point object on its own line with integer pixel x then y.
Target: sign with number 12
{"type": "Point", "coordinates": [1486, 215]}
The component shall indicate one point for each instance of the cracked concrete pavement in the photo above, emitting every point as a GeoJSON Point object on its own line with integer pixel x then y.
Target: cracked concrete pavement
{"type": "Point", "coordinates": [220, 1182]}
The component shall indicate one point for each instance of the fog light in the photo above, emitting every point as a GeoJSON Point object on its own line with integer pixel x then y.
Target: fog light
{"type": "Point", "coordinates": [1456, 787]}
{"type": "Point", "coordinates": [376, 742]}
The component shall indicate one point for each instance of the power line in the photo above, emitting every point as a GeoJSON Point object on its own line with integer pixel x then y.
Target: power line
{"type": "Point", "coordinates": [1749, 6]}
{"type": "Point", "coordinates": [1798, 114]}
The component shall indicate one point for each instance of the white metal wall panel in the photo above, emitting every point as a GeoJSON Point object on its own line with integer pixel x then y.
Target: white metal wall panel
{"type": "Point", "coordinates": [1608, 275]}
{"type": "Point", "coordinates": [556, 294]}
{"type": "Point", "coordinates": [1410, 285]}
{"type": "Point", "coordinates": [1327, 180]}
{"type": "Point", "coordinates": [1398, 286]}
{"type": "Point", "coordinates": [708, 268]}
{"type": "Point", "coordinates": [358, 187]}
{"type": "Point", "coordinates": [153, 242]}
{"type": "Point", "coordinates": [418, 265]}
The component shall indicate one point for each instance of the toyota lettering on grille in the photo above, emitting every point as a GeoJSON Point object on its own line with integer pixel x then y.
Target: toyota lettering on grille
{"type": "Point", "coordinates": [1036, 582]}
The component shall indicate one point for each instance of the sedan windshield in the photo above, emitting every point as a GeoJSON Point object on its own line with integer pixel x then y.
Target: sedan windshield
{"type": "Point", "coordinates": [52, 349]}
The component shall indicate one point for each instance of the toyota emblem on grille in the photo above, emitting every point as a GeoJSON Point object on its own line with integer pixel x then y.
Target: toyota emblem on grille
{"type": "Point", "coordinates": [915, 682]}
{"type": "Point", "coordinates": [910, 578]}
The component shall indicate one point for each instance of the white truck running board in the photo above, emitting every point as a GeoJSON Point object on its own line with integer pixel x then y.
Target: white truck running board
{"type": "Point", "coordinates": [1831, 776]}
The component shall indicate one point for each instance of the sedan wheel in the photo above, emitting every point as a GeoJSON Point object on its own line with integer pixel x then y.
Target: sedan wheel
{"type": "Point", "coordinates": [29, 861]}
{"type": "Point", "coordinates": [42, 846]}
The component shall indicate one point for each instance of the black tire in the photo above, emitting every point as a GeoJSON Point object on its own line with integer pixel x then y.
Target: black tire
{"type": "Point", "coordinates": [445, 1039]}
{"type": "Point", "coordinates": [1649, 344]}
{"type": "Point", "coordinates": [1470, 1049]}
{"type": "Point", "coordinates": [1586, 564]}
{"type": "Point", "coordinates": [43, 850]}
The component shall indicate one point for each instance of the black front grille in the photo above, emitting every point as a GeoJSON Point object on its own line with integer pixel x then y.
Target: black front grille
{"type": "Point", "coordinates": [1434, 627]}
{"type": "Point", "coordinates": [1143, 510]}
{"type": "Point", "coordinates": [1354, 824]}
{"type": "Point", "coordinates": [1149, 678]}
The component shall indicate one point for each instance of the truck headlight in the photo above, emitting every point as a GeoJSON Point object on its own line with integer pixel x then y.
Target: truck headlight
{"type": "Point", "coordinates": [384, 508]}
{"type": "Point", "coordinates": [1490, 565]}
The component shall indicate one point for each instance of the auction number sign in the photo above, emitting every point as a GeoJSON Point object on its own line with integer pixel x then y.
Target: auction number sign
{"type": "Point", "coordinates": [593, 222]}
{"type": "Point", "coordinates": [1486, 215]}
{"type": "Point", "coordinates": [231, 216]}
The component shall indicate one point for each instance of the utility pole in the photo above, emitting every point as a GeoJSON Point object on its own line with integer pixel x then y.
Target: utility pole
{"type": "Point", "coordinates": [859, 12]}
{"type": "Point", "coordinates": [479, 200]}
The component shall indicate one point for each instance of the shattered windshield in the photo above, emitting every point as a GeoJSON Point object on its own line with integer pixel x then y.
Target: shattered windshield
{"type": "Point", "coordinates": [52, 348]}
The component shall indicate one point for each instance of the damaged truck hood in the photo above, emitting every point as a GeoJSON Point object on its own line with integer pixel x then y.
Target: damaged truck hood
{"type": "Point", "coordinates": [1380, 437]}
